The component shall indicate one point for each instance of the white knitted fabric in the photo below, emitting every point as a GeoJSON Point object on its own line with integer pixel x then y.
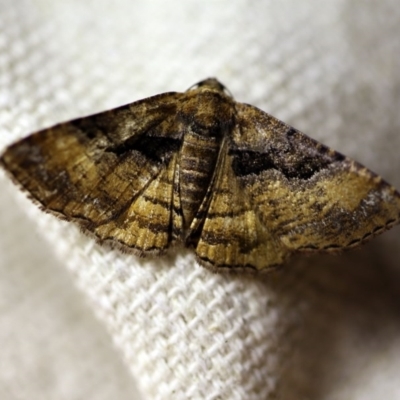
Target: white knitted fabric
{"type": "Point", "coordinates": [322, 328]}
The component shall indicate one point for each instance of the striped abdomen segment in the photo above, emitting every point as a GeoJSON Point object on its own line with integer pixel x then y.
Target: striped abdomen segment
{"type": "Point", "coordinates": [197, 164]}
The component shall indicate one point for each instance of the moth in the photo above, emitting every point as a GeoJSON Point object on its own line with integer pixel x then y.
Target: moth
{"type": "Point", "coordinates": [240, 187]}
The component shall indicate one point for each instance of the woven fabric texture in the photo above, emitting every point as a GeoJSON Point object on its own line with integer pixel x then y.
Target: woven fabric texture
{"type": "Point", "coordinates": [321, 328]}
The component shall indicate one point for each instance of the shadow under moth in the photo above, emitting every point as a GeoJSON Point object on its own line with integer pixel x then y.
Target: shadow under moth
{"type": "Point", "coordinates": [240, 187]}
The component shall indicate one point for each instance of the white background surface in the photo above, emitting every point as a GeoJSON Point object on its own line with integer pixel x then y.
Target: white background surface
{"type": "Point", "coordinates": [323, 328]}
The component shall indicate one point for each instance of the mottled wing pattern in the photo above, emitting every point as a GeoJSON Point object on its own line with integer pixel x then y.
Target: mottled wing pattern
{"type": "Point", "coordinates": [149, 224]}
{"type": "Point", "coordinates": [227, 231]}
{"type": "Point", "coordinates": [112, 172]}
{"type": "Point", "coordinates": [242, 188]}
{"type": "Point", "coordinates": [305, 194]}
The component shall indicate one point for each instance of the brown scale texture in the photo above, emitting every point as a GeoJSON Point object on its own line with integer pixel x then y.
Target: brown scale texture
{"type": "Point", "coordinates": [242, 188]}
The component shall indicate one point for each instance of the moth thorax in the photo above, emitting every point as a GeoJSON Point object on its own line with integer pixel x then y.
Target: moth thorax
{"type": "Point", "coordinates": [197, 164]}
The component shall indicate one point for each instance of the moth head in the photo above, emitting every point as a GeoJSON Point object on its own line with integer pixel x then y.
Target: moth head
{"type": "Point", "coordinates": [212, 84]}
